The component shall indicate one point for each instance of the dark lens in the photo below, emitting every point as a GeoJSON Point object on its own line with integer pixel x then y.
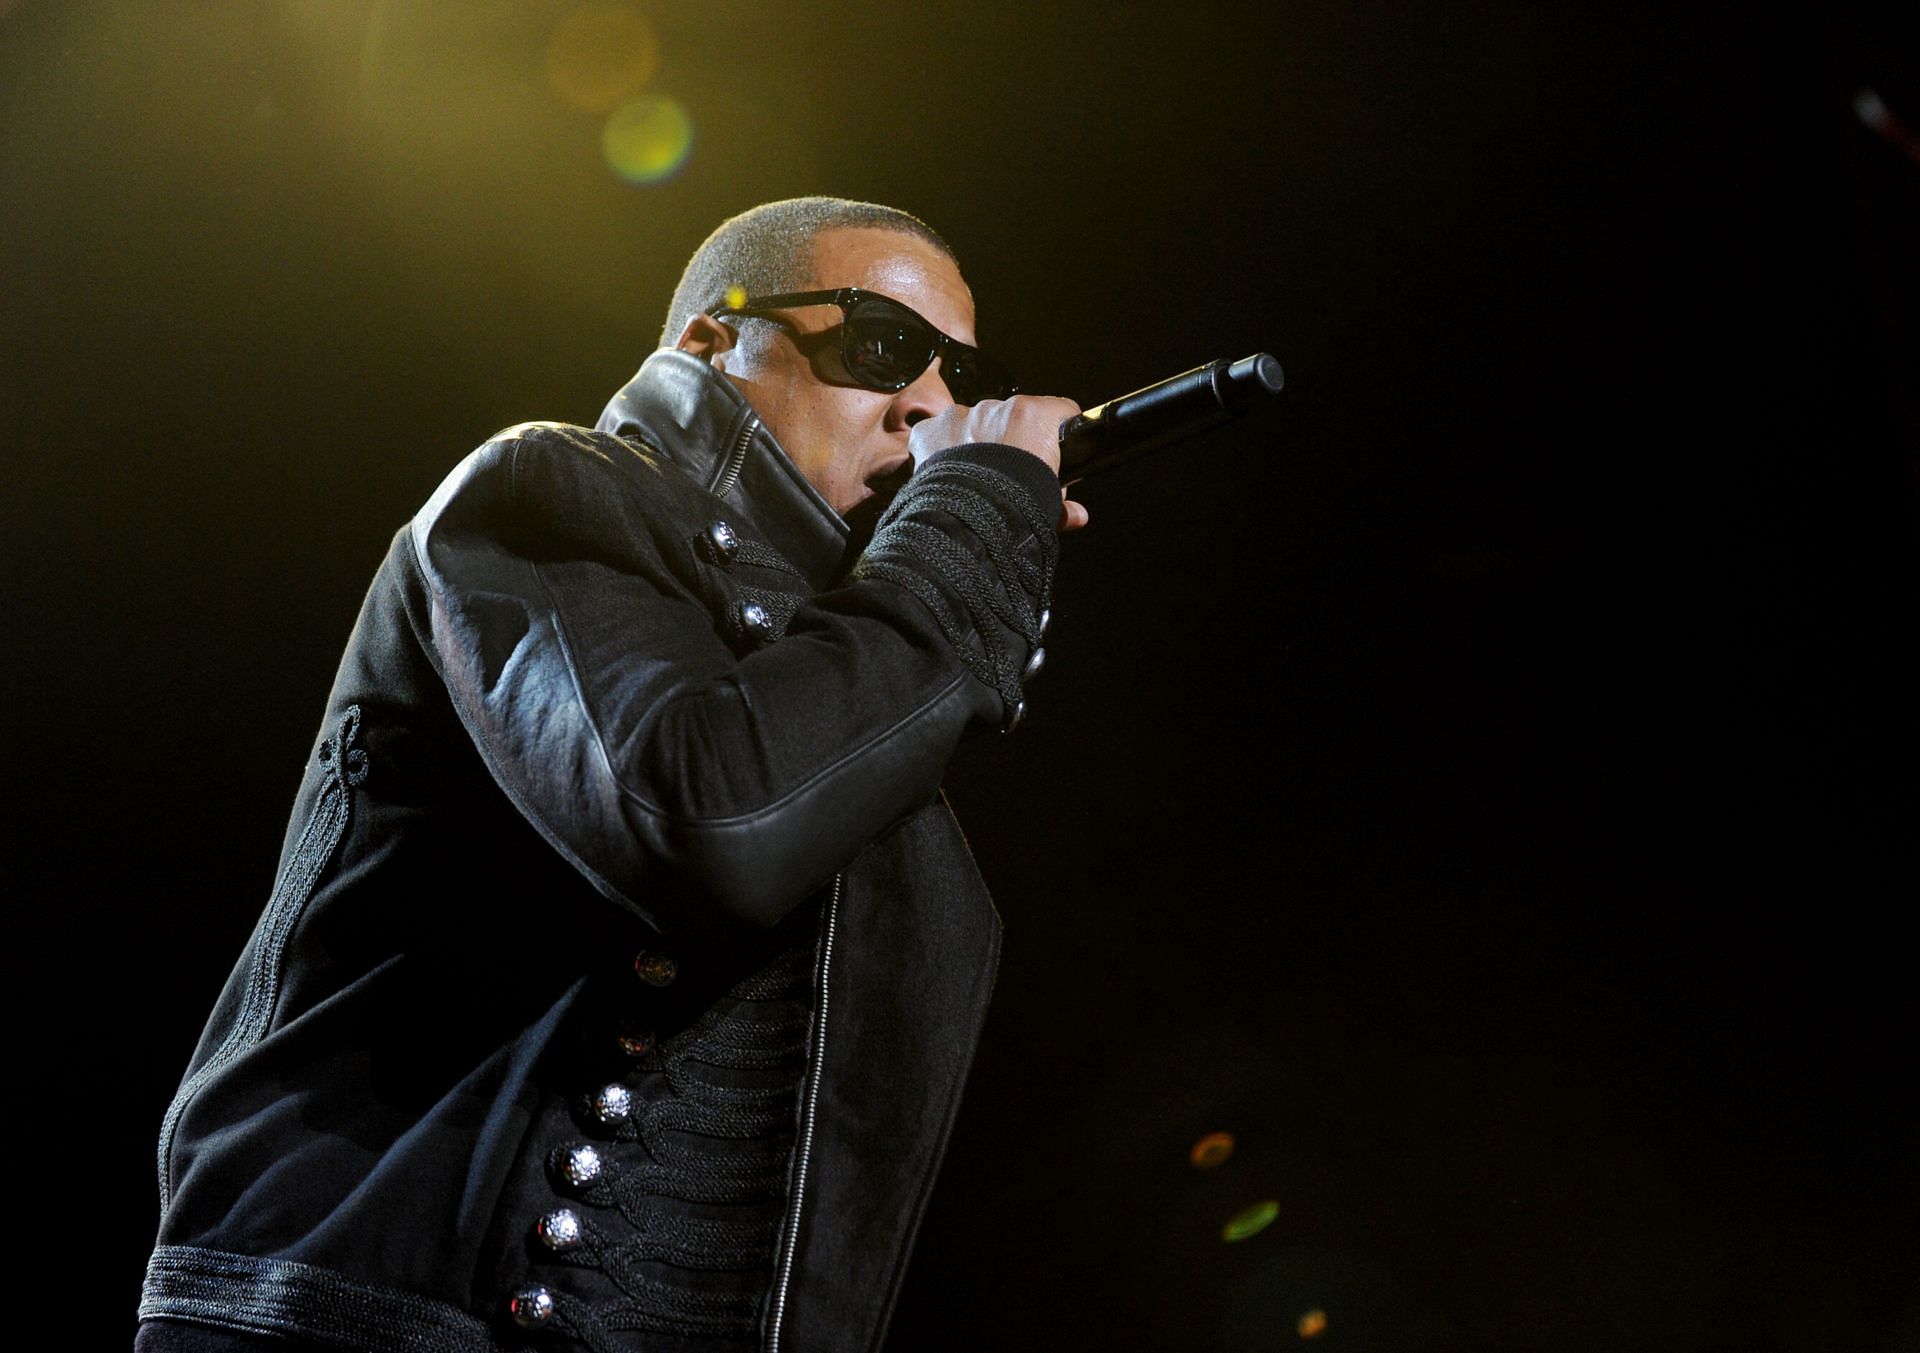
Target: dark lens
{"type": "Point", "coordinates": [972, 376]}
{"type": "Point", "coordinates": [885, 346]}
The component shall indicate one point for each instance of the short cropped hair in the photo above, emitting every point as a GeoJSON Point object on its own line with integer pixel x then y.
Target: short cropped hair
{"type": "Point", "coordinates": [769, 249]}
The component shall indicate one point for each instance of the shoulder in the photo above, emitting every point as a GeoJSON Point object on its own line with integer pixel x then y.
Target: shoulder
{"type": "Point", "coordinates": [536, 466]}
{"type": "Point", "coordinates": [546, 506]}
{"type": "Point", "coordinates": [556, 481]}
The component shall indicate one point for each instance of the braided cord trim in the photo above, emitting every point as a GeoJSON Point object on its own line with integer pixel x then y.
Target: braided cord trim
{"type": "Point", "coordinates": [764, 556]}
{"type": "Point", "coordinates": [776, 606]}
{"type": "Point", "coordinates": [782, 977]}
{"type": "Point", "coordinates": [685, 1242]}
{"type": "Point", "coordinates": [704, 1143]}
{"type": "Point", "coordinates": [667, 1310]}
{"type": "Point", "coordinates": [779, 608]}
{"type": "Point", "coordinates": [970, 597]}
{"type": "Point", "coordinates": [302, 1302]}
{"type": "Point", "coordinates": [733, 1044]}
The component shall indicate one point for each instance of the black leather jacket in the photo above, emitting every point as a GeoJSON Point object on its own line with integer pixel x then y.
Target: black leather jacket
{"type": "Point", "coordinates": [624, 965]}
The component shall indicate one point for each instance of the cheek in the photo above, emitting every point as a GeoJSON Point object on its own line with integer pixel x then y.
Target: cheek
{"type": "Point", "coordinates": [839, 426]}
{"type": "Point", "coordinates": [815, 433]}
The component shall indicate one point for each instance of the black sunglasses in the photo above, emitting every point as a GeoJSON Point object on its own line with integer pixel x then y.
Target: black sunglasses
{"type": "Point", "coordinates": [885, 346]}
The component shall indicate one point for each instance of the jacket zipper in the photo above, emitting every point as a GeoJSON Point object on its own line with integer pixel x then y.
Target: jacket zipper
{"type": "Point", "coordinates": [806, 1124]}
{"type": "Point", "coordinates": [736, 458]}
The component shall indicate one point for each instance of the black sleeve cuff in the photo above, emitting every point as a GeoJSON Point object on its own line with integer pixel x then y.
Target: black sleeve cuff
{"type": "Point", "coordinates": [1023, 467]}
{"type": "Point", "coordinates": [974, 535]}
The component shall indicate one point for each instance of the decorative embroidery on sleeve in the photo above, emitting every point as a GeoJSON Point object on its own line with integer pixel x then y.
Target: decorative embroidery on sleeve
{"type": "Point", "coordinates": [344, 766]}
{"type": "Point", "coordinates": [1010, 587]}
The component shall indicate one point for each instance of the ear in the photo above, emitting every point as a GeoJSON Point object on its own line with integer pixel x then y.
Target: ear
{"type": "Point", "coordinates": [708, 339]}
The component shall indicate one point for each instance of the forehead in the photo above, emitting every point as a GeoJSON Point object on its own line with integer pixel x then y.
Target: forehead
{"type": "Point", "coordinates": [899, 265]}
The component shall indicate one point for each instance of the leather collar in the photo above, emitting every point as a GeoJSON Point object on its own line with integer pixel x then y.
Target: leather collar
{"type": "Point", "coordinates": [694, 416]}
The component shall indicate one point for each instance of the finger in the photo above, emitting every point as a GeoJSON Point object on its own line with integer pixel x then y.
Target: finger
{"type": "Point", "coordinates": [1073, 515]}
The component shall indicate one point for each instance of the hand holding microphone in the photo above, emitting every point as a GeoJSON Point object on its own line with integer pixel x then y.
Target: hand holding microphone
{"type": "Point", "coordinates": [1093, 441]}
{"type": "Point", "coordinates": [1030, 422]}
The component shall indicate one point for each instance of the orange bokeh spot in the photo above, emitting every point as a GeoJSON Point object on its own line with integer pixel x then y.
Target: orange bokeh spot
{"type": "Point", "coordinates": [1312, 1323]}
{"type": "Point", "coordinates": [601, 55]}
{"type": "Point", "coordinates": [1211, 1151]}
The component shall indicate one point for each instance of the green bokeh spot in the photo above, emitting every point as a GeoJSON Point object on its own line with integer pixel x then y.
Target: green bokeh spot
{"type": "Point", "coordinates": [1250, 1221]}
{"type": "Point", "coordinates": [646, 139]}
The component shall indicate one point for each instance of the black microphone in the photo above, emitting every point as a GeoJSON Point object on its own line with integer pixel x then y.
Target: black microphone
{"type": "Point", "coordinates": [1114, 433]}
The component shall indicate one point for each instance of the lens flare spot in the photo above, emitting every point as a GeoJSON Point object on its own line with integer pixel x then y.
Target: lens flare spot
{"type": "Point", "coordinates": [736, 296]}
{"type": "Point", "coordinates": [600, 55]}
{"type": "Point", "coordinates": [1250, 1221]}
{"type": "Point", "coordinates": [1312, 1323]}
{"type": "Point", "coordinates": [648, 139]}
{"type": "Point", "coordinates": [1211, 1151]}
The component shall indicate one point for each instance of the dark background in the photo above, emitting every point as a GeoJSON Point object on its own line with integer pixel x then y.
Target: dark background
{"type": "Point", "coordinates": [1483, 782]}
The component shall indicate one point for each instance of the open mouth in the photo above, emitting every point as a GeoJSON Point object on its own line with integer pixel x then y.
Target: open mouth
{"type": "Point", "coordinates": [886, 482]}
{"type": "Point", "coordinates": [881, 486]}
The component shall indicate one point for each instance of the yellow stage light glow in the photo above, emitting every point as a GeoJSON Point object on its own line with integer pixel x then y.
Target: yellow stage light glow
{"type": "Point", "coordinates": [1250, 1221]}
{"type": "Point", "coordinates": [736, 295]}
{"type": "Point", "coordinates": [1312, 1323]}
{"type": "Point", "coordinates": [648, 139]}
{"type": "Point", "coordinates": [600, 55]}
{"type": "Point", "coordinates": [1211, 1151]}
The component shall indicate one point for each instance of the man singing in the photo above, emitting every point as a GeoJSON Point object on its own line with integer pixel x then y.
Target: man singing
{"type": "Point", "coordinates": [624, 964]}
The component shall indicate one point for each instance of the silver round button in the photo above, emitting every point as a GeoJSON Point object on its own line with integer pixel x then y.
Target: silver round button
{"type": "Point", "coordinates": [559, 1230]}
{"type": "Point", "coordinates": [655, 968]}
{"type": "Point", "coordinates": [725, 541]}
{"type": "Point", "coordinates": [1014, 716]}
{"type": "Point", "coordinates": [531, 1307]}
{"type": "Point", "coordinates": [755, 620]}
{"type": "Point", "coordinates": [635, 1041]}
{"type": "Point", "coordinates": [613, 1103]}
{"type": "Point", "coordinates": [1034, 664]}
{"type": "Point", "coordinates": [1046, 618]}
{"type": "Point", "coordinates": [581, 1165]}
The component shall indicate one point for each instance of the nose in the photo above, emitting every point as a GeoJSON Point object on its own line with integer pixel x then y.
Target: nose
{"type": "Point", "coordinates": [924, 398]}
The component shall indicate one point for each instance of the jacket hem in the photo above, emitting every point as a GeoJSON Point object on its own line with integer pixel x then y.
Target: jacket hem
{"type": "Point", "coordinates": [302, 1301]}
